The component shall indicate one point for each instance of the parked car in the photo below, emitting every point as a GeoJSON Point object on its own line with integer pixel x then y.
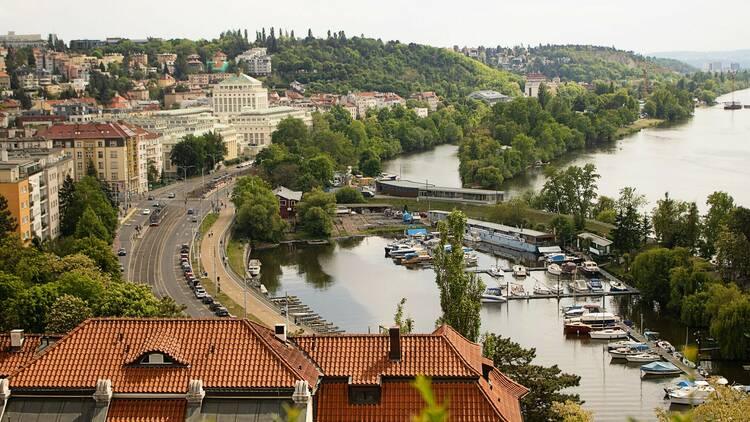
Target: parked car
{"type": "Point", "coordinates": [146, 211]}
{"type": "Point", "coordinates": [200, 293]}
{"type": "Point", "coordinates": [221, 312]}
{"type": "Point", "coordinates": [193, 219]}
{"type": "Point", "coordinates": [150, 198]}
{"type": "Point", "coordinates": [190, 211]}
{"type": "Point", "coordinates": [157, 205]}
{"type": "Point", "coordinates": [215, 305]}
{"type": "Point", "coordinates": [122, 268]}
{"type": "Point", "coordinates": [122, 252]}
{"type": "Point", "coordinates": [208, 299]}
{"type": "Point", "coordinates": [170, 195]}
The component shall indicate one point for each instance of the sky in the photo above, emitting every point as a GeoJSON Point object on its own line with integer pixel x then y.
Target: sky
{"type": "Point", "coordinates": [638, 25]}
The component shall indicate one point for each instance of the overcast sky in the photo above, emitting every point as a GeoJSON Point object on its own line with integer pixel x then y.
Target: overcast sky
{"type": "Point", "coordinates": [643, 26]}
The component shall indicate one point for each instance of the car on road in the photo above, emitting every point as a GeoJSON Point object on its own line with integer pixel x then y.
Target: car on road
{"type": "Point", "coordinates": [157, 205]}
{"type": "Point", "coordinates": [193, 219]}
{"type": "Point", "coordinates": [221, 312]}
{"type": "Point", "coordinates": [171, 195]}
{"type": "Point", "coordinates": [190, 211]}
{"type": "Point", "coordinates": [215, 305]}
{"type": "Point", "coordinates": [207, 299]}
{"type": "Point", "coordinates": [200, 293]}
{"type": "Point", "coordinates": [122, 268]}
{"type": "Point", "coordinates": [146, 211]}
{"type": "Point", "coordinates": [150, 197]}
{"type": "Point", "coordinates": [122, 252]}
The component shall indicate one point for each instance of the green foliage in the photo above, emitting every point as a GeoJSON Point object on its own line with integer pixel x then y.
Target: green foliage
{"type": "Point", "coordinates": [720, 206]}
{"type": "Point", "coordinates": [544, 383]}
{"type": "Point", "coordinates": [258, 216]}
{"type": "Point", "coordinates": [87, 194]}
{"type": "Point", "coordinates": [7, 221]}
{"type": "Point", "coordinates": [669, 103]}
{"type": "Point", "coordinates": [571, 412]}
{"type": "Point", "coordinates": [314, 212]}
{"type": "Point", "coordinates": [433, 411]}
{"type": "Point", "coordinates": [349, 195]}
{"type": "Point", "coordinates": [460, 292]}
{"type": "Point", "coordinates": [571, 191]}
{"type": "Point", "coordinates": [134, 300]}
{"type": "Point", "coordinates": [66, 313]}
{"type": "Point", "coordinates": [676, 223]}
{"type": "Point", "coordinates": [194, 153]}
{"type": "Point", "coordinates": [89, 225]}
{"type": "Point", "coordinates": [651, 272]}
{"type": "Point", "coordinates": [405, 324]}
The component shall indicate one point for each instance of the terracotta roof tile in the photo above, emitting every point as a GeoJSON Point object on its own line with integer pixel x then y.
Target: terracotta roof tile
{"type": "Point", "coordinates": [87, 131]}
{"type": "Point", "coordinates": [224, 353]}
{"type": "Point", "coordinates": [11, 360]}
{"type": "Point", "coordinates": [399, 401]}
{"type": "Point", "coordinates": [153, 410]}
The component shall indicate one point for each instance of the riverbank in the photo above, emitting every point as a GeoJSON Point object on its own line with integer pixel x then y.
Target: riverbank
{"type": "Point", "coordinates": [636, 127]}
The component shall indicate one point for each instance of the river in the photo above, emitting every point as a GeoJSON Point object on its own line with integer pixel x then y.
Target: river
{"type": "Point", "coordinates": [353, 285]}
{"type": "Point", "coordinates": [708, 152]}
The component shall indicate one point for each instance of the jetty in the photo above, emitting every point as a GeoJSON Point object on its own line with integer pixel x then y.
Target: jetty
{"type": "Point", "coordinates": [301, 314]}
{"type": "Point", "coordinates": [638, 336]}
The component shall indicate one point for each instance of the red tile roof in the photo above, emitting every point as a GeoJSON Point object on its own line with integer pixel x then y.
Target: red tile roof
{"type": "Point", "coordinates": [87, 131]}
{"type": "Point", "coordinates": [152, 410]}
{"type": "Point", "coordinates": [11, 360]}
{"type": "Point", "coordinates": [224, 353]}
{"type": "Point", "coordinates": [399, 401]}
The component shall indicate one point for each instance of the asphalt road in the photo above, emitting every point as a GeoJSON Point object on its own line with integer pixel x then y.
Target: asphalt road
{"type": "Point", "coordinates": [153, 257]}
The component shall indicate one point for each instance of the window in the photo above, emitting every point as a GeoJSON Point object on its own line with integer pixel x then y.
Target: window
{"type": "Point", "coordinates": [100, 154]}
{"type": "Point", "coordinates": [79, 154]}
{"type": "Point", "coordinates": [156, 358]}
{"type": "Point", "coordinates": [282, 202]}
{"type": "Point", "coordinates": [101, 175]}
{"type": "Point", "coordinates": [80, 166]}
{"type": "Point", "coordinates": [101, 165]}
{"type": "Point", "coordinates": [114, 175]}
{"type": "Point", "coordinates": [364, 395]}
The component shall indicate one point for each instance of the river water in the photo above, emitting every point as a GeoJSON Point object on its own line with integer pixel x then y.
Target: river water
{"type": "Point", "coordinates": [689, 160]}
{"type": "Point", "coordinates": [352, 284]}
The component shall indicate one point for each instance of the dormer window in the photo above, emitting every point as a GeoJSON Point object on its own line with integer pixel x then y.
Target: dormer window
{"type": "Point", "coordinates": [364, 394]}
{"type": "Point", "coordinates": [156, 358]}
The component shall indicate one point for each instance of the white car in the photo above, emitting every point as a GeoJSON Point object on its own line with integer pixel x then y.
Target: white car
{"type": "Point", "coordinates": [146, 211]}
{"type": "Point", "coordinates": [200, 293]}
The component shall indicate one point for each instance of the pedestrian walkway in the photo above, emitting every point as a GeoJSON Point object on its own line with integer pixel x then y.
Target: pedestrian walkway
{"type": "Point", "coordinates": [212, 260]}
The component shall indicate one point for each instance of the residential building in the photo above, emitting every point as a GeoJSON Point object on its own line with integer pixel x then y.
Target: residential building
{"type": "Point", "coordinates": [297, 86]}
{"type": "Point", "coordinates": [237, 93]}
{"type": "Point", "coordinates": [85, 44]}
{"type": "Point", "coordinates": [255, 126]}
{"type": "Point", "coordinates": [115, 149]}
{"type": "Point", "coordinates": [22, 40]}
{"type": "Point", "coordinates": [174, 97]}
{"type": "Point", "coordinates": [489, 96]}
{"type": "Point", "coordinates": [4, 81]}
{"type": "Point", "coordinates": [218, 62]}
{"type": "Point", "coordinates": [199, 79]}
{"type": "Point", "coordinates": [594, 244]}
{"type": "Point", "coordinates": [421, 112]}
{"type": "Point", "coordinates": [288, 200]}
{"type": "Point", "coordinates": [373, 99]}
{"type": "Point", "coordinates": [14, 186]}
{"type": "Point", "coordinates": [232, 369]}
{"type": "Point", "coordinates": [535, 80]}
{"type": "Point", "coordinates": [194, 63]}
{"type": "Point", "coordinates": [428, 97]}
{"type": "Point", "coordinates": [138, 93]}
{"type": "Point", "coordinates": [256, 61]}
{"type": "Point", "coordinates": [165, 81]}
{"type": "Point", "coordinates": [139, 60]}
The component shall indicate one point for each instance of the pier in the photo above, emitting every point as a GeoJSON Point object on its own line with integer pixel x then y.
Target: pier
{"type": "Point", "coordinates": [293, 308]}
{"type": "Point", "coordinates": [638, 336]}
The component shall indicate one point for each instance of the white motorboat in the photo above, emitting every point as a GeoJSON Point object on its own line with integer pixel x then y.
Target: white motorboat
{"type": "Point", "coordinates": [470, 258]}
{"type": "Point", "coordinates": [496, 272]}
{"type": "Point", "coordinates": [579, 286]}
{"type": "Point", "coordinates": [623, 352]}
{"type": "Point", "coordinates": [666, 346]}
{"type": "Point", "coordinates": [493, 295]}
{"type": "Point", "coordinates": [518, 290]}
{"type": "Point", "coordinates": [541, 289]}
{"type": "Point", "coordinates": [253, 267]}
{"type": "Point", "coordinates": [554, 269]}
{"type": "Point", "coordinates": [590, 267]}
{"type": "Point", "coordinates": [556, 289]}
{"type": "Point", "coordinates": [624, 343]}
{"type": "Point", "coordinates": [607, 334]}
{"type": "Point", "coordinates": [600, 319]}
{"type": "Point", "coordinates": [519, 271]}
{"type": "Point", "coordinates": [596, 285]}
{"type": "Point", "coordinates": [616, 286]}
{"type": "Point", "coordinates": [643, 357]}
{"type": "Point", "coordinates": [691, 395]}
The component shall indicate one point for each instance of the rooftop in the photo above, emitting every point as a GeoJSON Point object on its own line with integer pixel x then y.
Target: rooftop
{"type": "Point", "coordinates": [288, 193]}
{"type": "Point", "coordinates": [595, 238]}
{"type": "Point", "coordinates": [430, 186]}
{"type": "Point", "coordinates": [498, 227]}
{"type": "Point", "coordinates": [240, 79]}
{"type": "Point", "coordinates": [87, 131]}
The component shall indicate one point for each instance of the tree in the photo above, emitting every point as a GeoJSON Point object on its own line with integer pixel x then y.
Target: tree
{"type": "Point", "coordinates": [88, 193]}
{"type": "Point", "coordinates": [99, 251]}
{"type": "Point", "coordinates": [731, 328]}
{"type": "Point", "coordinates": [153, 174]}
{"type": "Point", "coordinates": [7, 221]}
{"type": "Point", "coordinates": [571, 412]}
{"type": "Point", "coordinates": [651, 272]}
{"type": "Point", "coordinates": [349, 195]}
{"type": "Point", "coordinates": [544, 383]}
{"type": "Point", "coordinates": [31, 307]}
{"type": "Point", "coordinates": [405, 324]}
{"type": "Point", "coordinates": [460, 292]}
{"type": "Point", "coordinates": [315, 212]}
{"type": "Point", "coordinates": [292, 133]}
{"type": "Point", "coordinates": [134, 300]}
{"type": "Point", "coordinates": [369, 163]}
{"type": "Point", "coordinates": [627, 234]}
{"type": "Point", "coordinates": [89, 225]}
{"type": "Point", "coordinates": [257, 210]}
{"type": "Point", "coordinates": [720, 205]}
{"type": "Point", "coordinates": [67, 313]}
{"type": "Point", "coordinates": [319, 171]}
{"type": "Point", "coordinates": [571, 191]}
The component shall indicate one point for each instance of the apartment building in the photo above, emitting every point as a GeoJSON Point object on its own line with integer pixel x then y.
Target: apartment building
{"type": "Point", "coordinates": [116, 151]}
{"type": "Point", "coordinates": [254, 127]}
{"type": "Point", "coordinates": [22, 40]}
{"type": "Point", "coordinates": [256, 61]}
{"type": "Point", "coordinates": [14, 186]}
{"type": "Point", "coordinates": [237, 93]}
{"type": "Point", "coordinates": [373, 99]}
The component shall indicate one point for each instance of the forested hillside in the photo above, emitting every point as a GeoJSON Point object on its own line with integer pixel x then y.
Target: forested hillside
{"type": "Point", "coordinates": [339, 64]}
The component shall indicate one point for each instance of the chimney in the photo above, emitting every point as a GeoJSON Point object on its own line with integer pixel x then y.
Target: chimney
{"type": "Point", "coordinates": [395, 339]}
{"type": "Point", "coordinates": [280, 331]}
{"type": "Point", "coordinates": [16, 339]}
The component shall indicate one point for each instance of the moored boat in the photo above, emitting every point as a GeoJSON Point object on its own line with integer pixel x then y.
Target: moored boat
{"type": "Point", "coordinates": [659, 368]}
{"type": "Point", "coordinates": [692, 395]}
{"type": "Point", "coordinates": [623, 352]}
{"type": "Point", "coordinates": [519, 271]}
{"type": "Point", "coordinates": [253, 267]}
{"type": "Point", "coordinates": [596, 285]}
{"type": "Point", "coordinates": [576, 327]}
{"type": "Point", "coordinates": [590, 267]}
{"type": "Point", "coordinates": [643, 357]}
{"type": "Point", "coordinates": [517, 290]}
{"type": "Point", "coordinates": [496, 272]}
{"type": "Point", "coordinates": [554, 269]}
{"type": "Point", "coordinates": [599, 319]}
{"type": "Point", "coordinates": [607, 334]}
{"type": "Point", "coordinates": [579, 286]}
{"type": "Point", "coordinates": [493, 295]}
{"type": "Point", "coordinates": [616, 286]}
{"type": "Point", "coordinates": [541, 289]}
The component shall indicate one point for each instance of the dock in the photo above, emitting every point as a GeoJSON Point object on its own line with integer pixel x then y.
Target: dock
{"type": "Point", "coordinates": [635, 334]}
{"type": "Point", "coordinates": [301, 314]}
{"type": "Point", "coordinates": [574, 295]}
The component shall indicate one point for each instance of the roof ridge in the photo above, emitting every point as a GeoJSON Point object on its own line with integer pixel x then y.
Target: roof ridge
{"type": "Point", "coordinates": [492, 400]}
{"type": "Point", "coordinates": [455, 349]}
{"type": "Point", "coordinates": [255, 327]}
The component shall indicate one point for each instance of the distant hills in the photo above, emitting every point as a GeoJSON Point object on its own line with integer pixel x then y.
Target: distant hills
{"type": "Point", "coordinates": [699, 59]}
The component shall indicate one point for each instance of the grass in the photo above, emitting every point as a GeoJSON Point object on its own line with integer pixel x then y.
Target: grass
{"type": "Point", "coordinates": [208, 221]}
{"type": "Point", "coordinates": [636, 126]}
{"type": "Point", "coordinates": [484, 212]}
{"type": "Point", "coordinates": [236, 255]}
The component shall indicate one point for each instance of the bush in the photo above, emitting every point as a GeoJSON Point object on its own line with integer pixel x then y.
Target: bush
{"type": "Point", "coordinates": [349, 195]}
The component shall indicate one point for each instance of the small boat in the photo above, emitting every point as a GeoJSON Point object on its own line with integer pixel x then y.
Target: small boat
{"type": "Point", "coordinates": [609, 333]}
{"type": "Point", "coordinates": [576, 327]}
{"type": "Point", "coordinates": [400, 252]}
{"type": "Point", "coordinates": [732, 105]}
{"type": "Point", "coordinates": [666, 346]}
{"type": "Point", "coordinates": [599, 319]}
{"type": "Point", "coordinates": [517, 290]}
{"type": "Point", "coordinates": [416, 258]}
{"type": "Point", "coordinates": [568, 268]}
{"type": "Point", "coordinates": [496, 272]}
{"type": "Point", "coordinates": [519, 271]}
{"type": "Point", "coordinates": [253, 267]}
{"type": "Point", "coordinates": [556, 289]}
{"type": "Point", "coordinates": [579, 286]}
{"type": "Point", "coordinates": [659, 368]}
{"type": "Point", "coordinates": [643, 357]}
{"type": "Point", "coordinates": [596, 285]}
{"type": "Point", "coordinates": [590, 267]}
{"type": "Point", "coordinates": [623, 352]}
{"type": "Point", "coordinates": [575, 312]}
{"type": "Point", "coordinates": [541, 289]}
{"type": "Point", "coordinates": [470, 258]}
{"type": "Point", "coordinates": [317, 242]}
{"type": "Point", "coordinates": [623, 343]}
{"type": "Point", "coordinates": [394, 248]}
{"type": "Point", "coordinates": [493, 295]}
{"type": "Point", "coordinates": [554, 269]}
{"type": "Point", "coordinates": [616, 286]}
{"type": "Point", "coordinates": [691, 396]}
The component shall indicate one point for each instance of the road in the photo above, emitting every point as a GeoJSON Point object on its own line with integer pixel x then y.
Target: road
{"type": "Point", "coordinates": [153, 255]}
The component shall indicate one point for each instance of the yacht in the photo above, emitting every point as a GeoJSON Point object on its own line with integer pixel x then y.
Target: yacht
{"type": "Point", "coordinates": [732, 105]}
{"type": "Point", "coordinates": [692, 395]}
{"type": "Point", "coordinates": [596, 285]}
{"type": "Point", "coordinates": [616, 286]}
{"type": "Point", "coordinates": [660, 368]}
{"type": "Point", "coordinates": [493, 295]}
{"type": "Point", "coordinates": [541, 289]}
{"type": "Point", "coordinates": [556, 288]}
{"type": "Point", "coordinates": [579, 286]}
{"type": "Point", "coordinates": [518, 290]}
{"type": "Point", "coordinates": [496, 272]}
{"type": "Point", "coordinates": [643, 357]}
{"type": "Point", "coordinates": [609, 333]}
{"type": "Point", "coordinates": [599, 319]}
{"type": "Point", "coordinates": [576, 327]}
{"type": "Point", "coordinates": [554, 269]}
{"type": "Point", "coordinates": [624, 352]}
{"type": "Point", "coordinates": [519, 271]}
{"type": "Point", "coordinates": [253, 267]}
{"type": "Point", "coordinates": [590, 267]}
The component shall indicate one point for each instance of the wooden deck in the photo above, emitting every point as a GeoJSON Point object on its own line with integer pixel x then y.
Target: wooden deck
{"type": "Point", "coordinates": [636, 335]}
